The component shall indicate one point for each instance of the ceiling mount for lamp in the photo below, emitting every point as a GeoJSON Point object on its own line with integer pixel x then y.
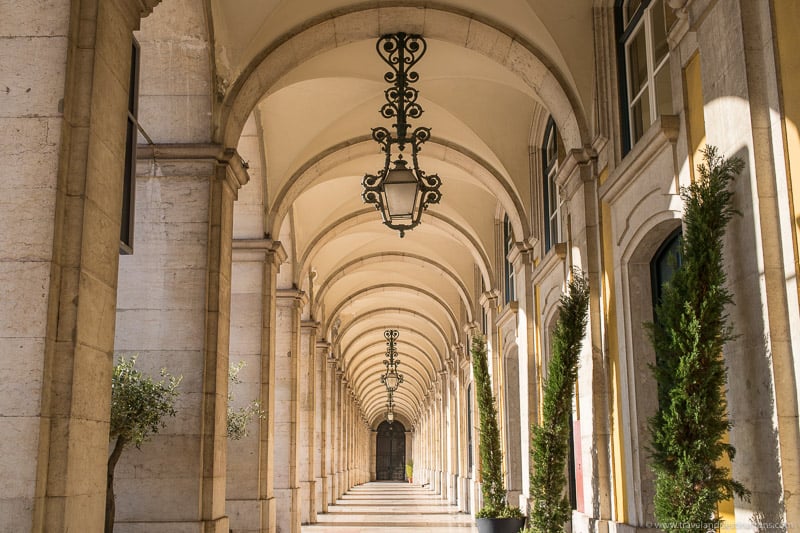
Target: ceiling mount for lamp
{"type": "Point", "coordinates": [401, 191]}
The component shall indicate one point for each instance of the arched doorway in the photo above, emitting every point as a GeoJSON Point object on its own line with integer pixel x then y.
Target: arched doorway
{"type": "Point", "coordinates": [390, 452]}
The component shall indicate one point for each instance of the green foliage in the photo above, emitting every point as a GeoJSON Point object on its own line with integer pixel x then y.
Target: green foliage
{"type": "Point", "coordinates": [691, 328]}
{"type": "Point", "coordinates": [139, 404]}
{"type": "Point", "coordinates": [550, 508]}
{"type": "Point", "coordinates": [492, 487]}
{"type": "Point", "coordinates": [238, 419]}
{"type": "Point", "coordinates": [410, 469]}
{"type": "Point", "coordinates": [138, 408]}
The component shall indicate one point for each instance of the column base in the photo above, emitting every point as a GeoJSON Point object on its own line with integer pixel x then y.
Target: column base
{"type": "Point", "coordinates": [252, 516]}
{"type": "Point", "coordinates": [220, 525]}
{"type": "Point", "coordinates": [287, 515]}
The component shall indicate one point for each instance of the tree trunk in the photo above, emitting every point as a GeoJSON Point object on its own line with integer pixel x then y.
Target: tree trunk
{"type": "Point", "coordinates": [112, 464]}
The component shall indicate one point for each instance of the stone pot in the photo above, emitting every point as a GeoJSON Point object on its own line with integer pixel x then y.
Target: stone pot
{"type": "Point", "coordinates": [500, 525]}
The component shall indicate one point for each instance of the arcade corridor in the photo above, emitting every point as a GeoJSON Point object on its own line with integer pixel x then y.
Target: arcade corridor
{"type": "Point", "coordinates": [206, 184]}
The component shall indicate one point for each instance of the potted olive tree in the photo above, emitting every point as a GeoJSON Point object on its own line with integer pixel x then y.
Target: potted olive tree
{"type": "Point", "coordinates": [139, 406]}
{"type": "Point", "coordinates": [496, 516]}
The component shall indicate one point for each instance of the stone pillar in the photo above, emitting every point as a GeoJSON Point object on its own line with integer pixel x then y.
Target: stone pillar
{"type": "Point", "coordinates": [333, 430]}
{"type": "Point", "coordinates": [287, 410]}
{"type": "Point", "coordinates": [454, 451]}
{"type": "Point", "coordinates": [63, 152]}
{"type": "Point", "coordinates": [187, 332]}
{"type": "Point", "coordinates": [737, 46]}
{"type": "Point", "coordinates": [307, 393]}
{"type": "Point", "coordinates": [522, 404]}
{"type": "Point", "coordinates": [340, 434]}
{"type": "Point", "coordinates": [321, 450]}
{"type": "Point", "coordinates": [250, 496]}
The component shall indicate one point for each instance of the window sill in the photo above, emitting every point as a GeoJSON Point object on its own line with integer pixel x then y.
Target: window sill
{"type": "Point", "coordinates": [553, 259]}
{"type": "Point", "coordinates": [662, 133]}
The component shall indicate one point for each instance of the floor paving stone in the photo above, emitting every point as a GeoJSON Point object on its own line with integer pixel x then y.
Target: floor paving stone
{"type": "Point", "coordinates": [381, 507]}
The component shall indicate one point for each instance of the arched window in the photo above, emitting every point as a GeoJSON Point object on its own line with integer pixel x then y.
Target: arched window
{"type": "Point", "coordinates": [510, 292]}
{"type": "Point", "coordinates": [552, 198]}
{"type": "Point", "coordinates": [665, 262]}
{"type": "Point", "coordinates": [643, 65]}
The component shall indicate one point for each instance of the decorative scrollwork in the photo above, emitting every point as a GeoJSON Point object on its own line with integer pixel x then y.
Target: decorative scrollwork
{"type": "Point", "coordinates": [401, 52]}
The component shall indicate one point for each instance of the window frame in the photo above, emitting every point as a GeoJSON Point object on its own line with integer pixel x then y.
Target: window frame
{"type": "Point", "coordinates": [509, 285]}
{"type": "Point", "coordinates": [126, 230]}
{"type": "Point", "coordinates": [626, 30]}
{"type": "Point", "coordinates": [551, 213]}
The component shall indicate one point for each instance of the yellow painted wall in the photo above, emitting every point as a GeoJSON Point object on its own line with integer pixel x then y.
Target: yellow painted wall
{"type": "Point", "coordinates": [693, 86]}
{"type": "Point", "coordinates": [620, 489]}
{"type": "Point", "coordinates": [695, 120]}
{"type": "Point", "coordinates": [787, 14]}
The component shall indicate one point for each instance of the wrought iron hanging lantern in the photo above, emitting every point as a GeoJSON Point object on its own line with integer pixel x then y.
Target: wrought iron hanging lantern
{"type": "Point", "coordinates": [399, 191]}
{"type": "Point", "coordinates": [391, 379]}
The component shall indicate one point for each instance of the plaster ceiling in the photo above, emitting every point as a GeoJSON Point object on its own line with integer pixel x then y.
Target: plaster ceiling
{"type": "Point", "coordinates": [308, 137]}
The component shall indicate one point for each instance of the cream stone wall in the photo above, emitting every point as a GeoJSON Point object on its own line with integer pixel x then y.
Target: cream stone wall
{"type": "Point", "coordinates": [161, 320]}
{"type": "Point", "coordinates": [31, 125]}
{"type": "Point", "coordinates": [736, 46]}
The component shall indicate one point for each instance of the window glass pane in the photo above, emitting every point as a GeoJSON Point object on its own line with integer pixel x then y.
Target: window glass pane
{"type": "Point", "coordinates": [630, 9]}
{"type": "Point", "coordinates": [660, 46]}
{"type": "Point", "coordinates": [552, 223]}
{"type": "Point", "coordinates": [640, 117]}
{"type": "Point", "coordinates": [551, 149]}
{"type": "Point", "coordinates": [637, 61]}
{"type": "Point", "coordinates": [663, 91]}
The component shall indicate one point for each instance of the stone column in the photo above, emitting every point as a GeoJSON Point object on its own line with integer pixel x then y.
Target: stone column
{"type": "Point", "coordinates": [523, 407]}
{"type": "Point", "coordinates": [737, 45]}
{"type": "Point", "coordinates": [250, 496]}
{"type": "Point", "coordinates": [341, 434]}
{"type": "Point", "coordinates": [287, 410]}
{"type": "Point", "coordinates": [321, 450]}
{"type": "Point", "coordinates": [190, 190]}
{"type": "Point", "coordinates": [333, 430]}
{"type": "Point", "coordinates": [63, 153]}
{"type": "Point", "coordinates": [307, 393]}
{"type": "Point", "coordinates": [454, 421]}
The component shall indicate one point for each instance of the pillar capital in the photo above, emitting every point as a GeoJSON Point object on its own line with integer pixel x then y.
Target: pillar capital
{"type": "Point", "coordinates": [309, 326]}
{"type": "Point", "coordinates": [259, 250]}
{"type": "Point", "coordinates": [294, 297]}
{"type": "Point", "coordinates": [235, 167]}
{"type": "Point", "coordinates": [488, 299]}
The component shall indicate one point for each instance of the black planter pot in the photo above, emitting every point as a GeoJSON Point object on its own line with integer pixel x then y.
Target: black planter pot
{"type": "Point", "coordinates": [500, 525]}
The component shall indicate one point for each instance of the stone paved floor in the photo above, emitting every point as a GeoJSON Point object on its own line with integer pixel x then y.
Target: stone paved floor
{"type": "Point", "coordinates": [381, 507]}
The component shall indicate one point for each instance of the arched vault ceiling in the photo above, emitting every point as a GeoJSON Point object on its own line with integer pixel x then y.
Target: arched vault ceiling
{"type": "Point", "coordinates": [309, 86]}
{"type": "Point", "coordinates": [244, 28]}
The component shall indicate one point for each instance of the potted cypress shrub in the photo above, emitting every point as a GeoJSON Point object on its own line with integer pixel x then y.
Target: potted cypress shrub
{"type": "Point", "coordinates": [550, 509]}
{"type": "Point", "coordinates": [496, 516]}
{"type": "Point", "coordinates": [690, 330]}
